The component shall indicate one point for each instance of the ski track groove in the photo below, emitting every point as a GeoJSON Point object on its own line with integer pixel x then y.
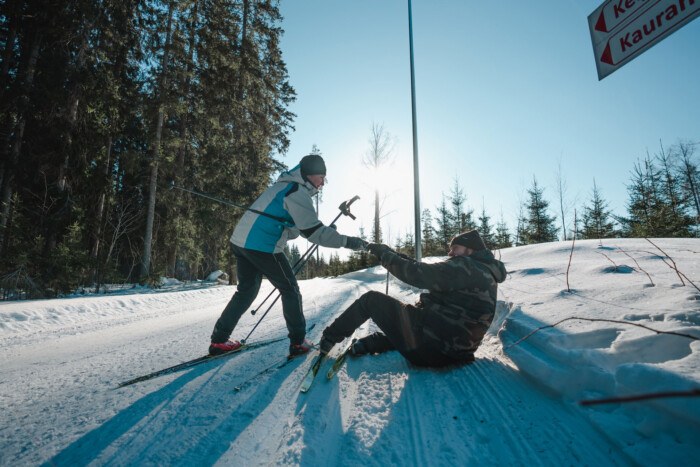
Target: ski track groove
{"type": "Point", "coordinates": [419, 445]}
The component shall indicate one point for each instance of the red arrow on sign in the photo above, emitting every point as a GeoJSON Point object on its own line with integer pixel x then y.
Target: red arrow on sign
{"type": "Point", "coordinates": [607, 55]}
{"type": "Point", "coordinates": [600, 24]}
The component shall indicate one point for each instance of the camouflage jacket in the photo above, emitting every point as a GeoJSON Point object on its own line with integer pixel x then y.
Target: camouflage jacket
{"type": "Point", "coordinates": [461, 299]}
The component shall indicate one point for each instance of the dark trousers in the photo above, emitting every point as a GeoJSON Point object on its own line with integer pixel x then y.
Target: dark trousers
{"type": "Point", "coordinates": [251, 267]}
{"type": "Point", "coordinates": [401, 325]}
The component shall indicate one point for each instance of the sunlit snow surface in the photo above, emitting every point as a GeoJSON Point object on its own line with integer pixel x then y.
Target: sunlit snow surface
{"type": "Point", "coordinates": [517, 404]}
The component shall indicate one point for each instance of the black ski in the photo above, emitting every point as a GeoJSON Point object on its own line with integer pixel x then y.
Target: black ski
{"type": "Point", "coordinates": [200, 360]}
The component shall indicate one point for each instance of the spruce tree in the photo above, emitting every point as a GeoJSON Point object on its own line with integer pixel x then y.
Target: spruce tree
{"type": "Point", "coordinates": [597, 219]}
{"type": "Point", "coordinates": [485, 230]}
{"type": "Point", "coordinates": [428, 236]}
{"type": "Point", "coordinates": [444, 230]}
{"type": "Point", "coordinates": [539, 226]}
{"type": "Point", "coordinates": [461, 217]}
{"type": "Point", "coordinates": [690, 178]}
{"type": "Point", "coordinates": [503, 236]}
{"type": "Point", "coordinates": [676, 218]}
{"type": "Point", "coordinates": [654, 209]}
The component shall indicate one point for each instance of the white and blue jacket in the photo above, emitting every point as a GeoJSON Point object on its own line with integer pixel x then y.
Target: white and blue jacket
{"type": "Point", "coordinates": [288, 198]}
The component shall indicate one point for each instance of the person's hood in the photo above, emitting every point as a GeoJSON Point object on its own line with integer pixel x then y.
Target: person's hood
{"type": "Point", "coordinates": [497, 268]}
{"type": "Point", "coordinates": [293, 175]}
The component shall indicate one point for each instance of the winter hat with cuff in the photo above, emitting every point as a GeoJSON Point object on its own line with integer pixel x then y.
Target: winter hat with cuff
{"type": "Point", "coordinates": [312, 164]}
{"type": "Point", "coordinates": [470, 239]}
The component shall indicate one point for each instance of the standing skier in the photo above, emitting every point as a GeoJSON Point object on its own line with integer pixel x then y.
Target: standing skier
{"type": "Point", "coordinates": [258, 241]}
{"type": "Point", "coordinates": [449, 321]}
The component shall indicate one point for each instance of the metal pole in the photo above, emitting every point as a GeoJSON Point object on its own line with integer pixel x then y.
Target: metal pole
{"type": "Point", "coordinates": [416, 184]}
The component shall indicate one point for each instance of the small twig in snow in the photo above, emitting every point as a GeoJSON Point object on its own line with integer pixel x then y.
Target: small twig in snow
{"type": "Point", "coordinates": [573, 242]}
{"type": "Point", "coordinates": [675, 268]}
{"type": "Point", "coordinates": [608, 258]}
{"type": "Point", "coordinates": [640, 268]}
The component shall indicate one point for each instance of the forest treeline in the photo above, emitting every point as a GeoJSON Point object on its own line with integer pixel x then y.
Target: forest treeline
{"type": "Point", "coordinates": [104, 103]}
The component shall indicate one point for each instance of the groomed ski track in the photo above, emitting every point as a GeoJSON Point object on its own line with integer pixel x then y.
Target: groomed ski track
{"type": "Point", "coordinates": [377, 410]}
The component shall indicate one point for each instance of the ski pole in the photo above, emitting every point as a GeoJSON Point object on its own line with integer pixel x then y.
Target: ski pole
{"type": "Point", "coordinates": [229, 203]}
{"type": "Point", "coordinates": [344, 211]}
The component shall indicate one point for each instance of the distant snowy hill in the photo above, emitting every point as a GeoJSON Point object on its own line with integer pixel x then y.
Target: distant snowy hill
{"type": "Point", "coordinates": [518, 404]}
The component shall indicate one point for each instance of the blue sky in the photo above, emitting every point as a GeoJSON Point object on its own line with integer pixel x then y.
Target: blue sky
{"type": "Point", "coordinates": [505, 91]}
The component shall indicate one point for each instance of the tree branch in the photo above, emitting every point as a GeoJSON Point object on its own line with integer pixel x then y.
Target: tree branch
{"type": "Point", "coordinates": [601, 320]}
{"type": "Point", "coordinates": [641, 397]}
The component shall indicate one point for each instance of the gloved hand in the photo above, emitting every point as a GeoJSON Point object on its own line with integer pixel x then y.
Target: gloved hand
{"type": "Point", "coordinates": [378, 249]}
{"type": "Point", "coordinates": [355, 243]}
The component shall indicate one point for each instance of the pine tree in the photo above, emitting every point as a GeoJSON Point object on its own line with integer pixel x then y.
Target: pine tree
{"type": "Point", "coordinates": [461, 217]}
{"type": "Point", "coordinates": [485, 230]}
{"type": "Point", "coordinates": [521, 225]}
{"type": "Point", "coordinates": [654, 208]}
{"type": "Point", "coordinates": [690, 179]}
{"type": "Point", "coordinates": [503, 237]}
{"type": "Point", "coordinates": [539, 226]}
{"type": "Point", "coordinates": [444, 230]}
{"type": "Point", "coordinates": [676, 220]}
{"type": "Point", "coordinates": [597, 219]}
{"type": "Point", "coordinates": [428, 236]}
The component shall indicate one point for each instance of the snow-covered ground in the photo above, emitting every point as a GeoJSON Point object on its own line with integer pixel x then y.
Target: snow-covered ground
{"type": "Point", "coordinates": [518, 404]}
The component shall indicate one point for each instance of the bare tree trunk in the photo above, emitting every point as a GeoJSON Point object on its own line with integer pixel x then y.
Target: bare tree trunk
{"type": "Point", "coordinates": [99, 216]}
{"type": "Point", "coordinates": [10, 165]}
{"type": "Point", "coordinates": [561, 189]}
{"type": "Point", "coordinates": [178, 210]}
{"type": "Point", "coordinates": [381, 146]}
{"type": "Point", "coordinates": [155, 153]}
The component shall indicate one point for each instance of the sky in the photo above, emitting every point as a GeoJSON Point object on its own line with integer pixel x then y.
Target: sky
{"type": "Point", "coordinates": [518, 404]}
{"type": "Point", "coordinates": [505, 91]}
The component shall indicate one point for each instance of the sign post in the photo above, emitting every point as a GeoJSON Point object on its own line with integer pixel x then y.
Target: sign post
{"type": "Point", "coordinates": [622, 29]}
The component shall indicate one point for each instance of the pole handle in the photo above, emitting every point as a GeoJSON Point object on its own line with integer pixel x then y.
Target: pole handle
{"type": "Point", "coordinates": [345, 207]}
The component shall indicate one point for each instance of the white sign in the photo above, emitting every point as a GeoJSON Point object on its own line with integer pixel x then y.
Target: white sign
{"type": "Point", "coordinates": [622, 29]}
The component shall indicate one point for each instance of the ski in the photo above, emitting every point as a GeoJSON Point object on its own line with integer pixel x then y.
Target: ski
{"type": "Point", "coordinates": [278, 365]}
{"type": "Point", "coordinates": [313, 371]}
{"type": "Point", "coordinates": [200, 360]}
{"type": "Point", "coordinates": [340, 359]}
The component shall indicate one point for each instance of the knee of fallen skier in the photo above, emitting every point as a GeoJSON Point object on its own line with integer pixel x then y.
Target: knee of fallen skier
{"type": "Point", "coordinates": [447, 324]}
{"type": "Point", "coordinates": [281, 213]}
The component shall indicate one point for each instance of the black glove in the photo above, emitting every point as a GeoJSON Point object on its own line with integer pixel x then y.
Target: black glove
{"type": "Point", "coordinates": [355, 243]}
{"type": "Point", "coordinates": [378, 249]}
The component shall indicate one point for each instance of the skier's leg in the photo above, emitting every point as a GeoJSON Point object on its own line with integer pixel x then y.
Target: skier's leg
{"type": "Point", "coordinates": [292, 308]}
{"type": "Point", "coordinates": [249, 279]}
{"type": "Point", "coordinates": [400, 323]}
{"type": "Point", "coordinates": [278, 271]}
{"type": "Point", "coordinates": [376, 305]}
{"type": "Point", "coordinates": [372, 344]}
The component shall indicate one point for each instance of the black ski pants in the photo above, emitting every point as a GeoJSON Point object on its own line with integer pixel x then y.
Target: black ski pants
{"type": "Point", "coordinates": [401, 325]}
{"type": "Point", "coordinates": [251, 266]}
